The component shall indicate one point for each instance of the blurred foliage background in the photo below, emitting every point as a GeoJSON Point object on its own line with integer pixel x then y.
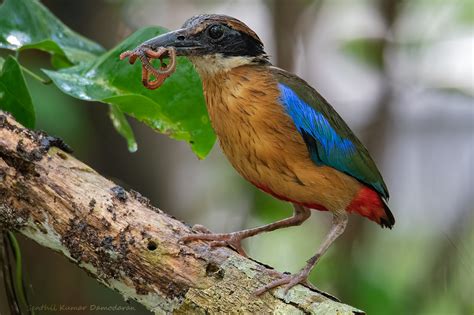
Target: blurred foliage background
{"type": "Point", "coordinates": [401, 73]}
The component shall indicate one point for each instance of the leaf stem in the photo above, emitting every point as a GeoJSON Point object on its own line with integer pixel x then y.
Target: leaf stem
{"type": "Point", "coordinates": [19, 285]}
{"type": "Point", "coordinates": [35, 76]}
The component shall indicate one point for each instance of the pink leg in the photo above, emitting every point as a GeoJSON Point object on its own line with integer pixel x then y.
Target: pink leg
{"type": "Point", "coordinates": [234, 239]}
{"type": "Point", "coordinates": [339, 224]}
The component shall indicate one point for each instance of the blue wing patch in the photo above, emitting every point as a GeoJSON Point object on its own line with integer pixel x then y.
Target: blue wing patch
{"type": "Point", "coordinates": [334, 149]}
{"type": "Point", "coordinates": [328, 138]}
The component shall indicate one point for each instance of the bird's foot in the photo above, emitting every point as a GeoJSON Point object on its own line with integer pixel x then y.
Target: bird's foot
{"type": "Point", "coordinates": [289, 280]}
{"type": "Point", "coordinates": [217, 240]}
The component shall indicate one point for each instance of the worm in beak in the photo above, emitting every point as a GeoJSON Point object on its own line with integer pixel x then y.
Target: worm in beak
{"type": "Point", "coordinates": [146, 55]}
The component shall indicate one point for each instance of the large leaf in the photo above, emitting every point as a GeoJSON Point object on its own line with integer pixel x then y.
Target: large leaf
{"type": "Point", "coordinates": [27, 24]}
{"type": "Point", "coordinates": [176, 108]}
{"type": "Point", "coordinates": [14, 95]}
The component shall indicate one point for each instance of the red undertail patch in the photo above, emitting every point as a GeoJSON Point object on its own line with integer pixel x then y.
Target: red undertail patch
{"type": "Point", "coordinates": [368, 203]}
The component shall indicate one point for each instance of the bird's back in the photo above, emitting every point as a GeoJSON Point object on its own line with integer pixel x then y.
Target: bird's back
{"type": "Point", "coordinates": [261, 140]}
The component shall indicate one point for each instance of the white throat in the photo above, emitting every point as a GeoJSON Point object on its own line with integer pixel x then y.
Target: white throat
{"type": "Point", "coordinates": [210, 65]}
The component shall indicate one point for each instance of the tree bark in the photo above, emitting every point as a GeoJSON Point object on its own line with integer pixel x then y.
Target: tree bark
{"type": "Point", "coordinates": [124, 242]}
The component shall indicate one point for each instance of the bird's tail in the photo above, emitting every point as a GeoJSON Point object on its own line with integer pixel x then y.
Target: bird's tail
{"type": "Point", "coordinates": [370, 204]}
{"type": "Point", "coordinates": [388, 220]}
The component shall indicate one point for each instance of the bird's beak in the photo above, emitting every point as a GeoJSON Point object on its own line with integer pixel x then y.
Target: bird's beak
{"type": "Point", "coordinates": [181, 39]}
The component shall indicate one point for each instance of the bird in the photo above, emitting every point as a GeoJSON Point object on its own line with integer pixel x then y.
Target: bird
{"type": "Point", "coordinates": [280, 134]}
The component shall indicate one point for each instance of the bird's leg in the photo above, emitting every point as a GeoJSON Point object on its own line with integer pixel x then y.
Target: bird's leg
{"type": "Point", "coordinates": [339, 224]}
{"type": "Point", "coordinates": [300, 214]}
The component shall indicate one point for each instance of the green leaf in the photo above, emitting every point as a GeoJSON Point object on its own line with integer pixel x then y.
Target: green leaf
{"type": "Point", "coordinates": [123, 127]}
{"type": "Point", "coordinates": [27, 24]}
{"type": "Point", "coordinates": [176, 108]}
{"type": "Point", "coordinates": [14, 95]}
{"type": "Point", "coordinates": [368, 51]}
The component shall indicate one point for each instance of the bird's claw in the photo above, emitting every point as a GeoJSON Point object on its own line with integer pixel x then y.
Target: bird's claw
{"type": "Point", "coordinates": [233, 240]}
{"type": "Point", "coordinates": [289, 280]}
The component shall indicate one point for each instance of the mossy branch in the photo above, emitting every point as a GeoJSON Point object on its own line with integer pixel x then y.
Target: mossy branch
{"type": "Point", "coordinates": [124, 242]}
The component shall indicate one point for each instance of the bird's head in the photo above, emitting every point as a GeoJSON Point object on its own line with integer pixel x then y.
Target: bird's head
{"type": "Point", "coordinates": [214, 43]}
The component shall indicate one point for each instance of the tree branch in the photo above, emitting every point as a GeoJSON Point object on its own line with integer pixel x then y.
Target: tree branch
{"type": "Point", "coordinates": [126, 243]}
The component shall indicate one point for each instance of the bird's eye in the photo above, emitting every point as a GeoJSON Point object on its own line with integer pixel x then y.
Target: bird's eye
{"type": "Point", "coordinates": [216, 31]}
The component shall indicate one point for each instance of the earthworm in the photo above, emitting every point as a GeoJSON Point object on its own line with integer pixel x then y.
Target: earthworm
{"type": "Point", "coordinates": [146, 54]}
